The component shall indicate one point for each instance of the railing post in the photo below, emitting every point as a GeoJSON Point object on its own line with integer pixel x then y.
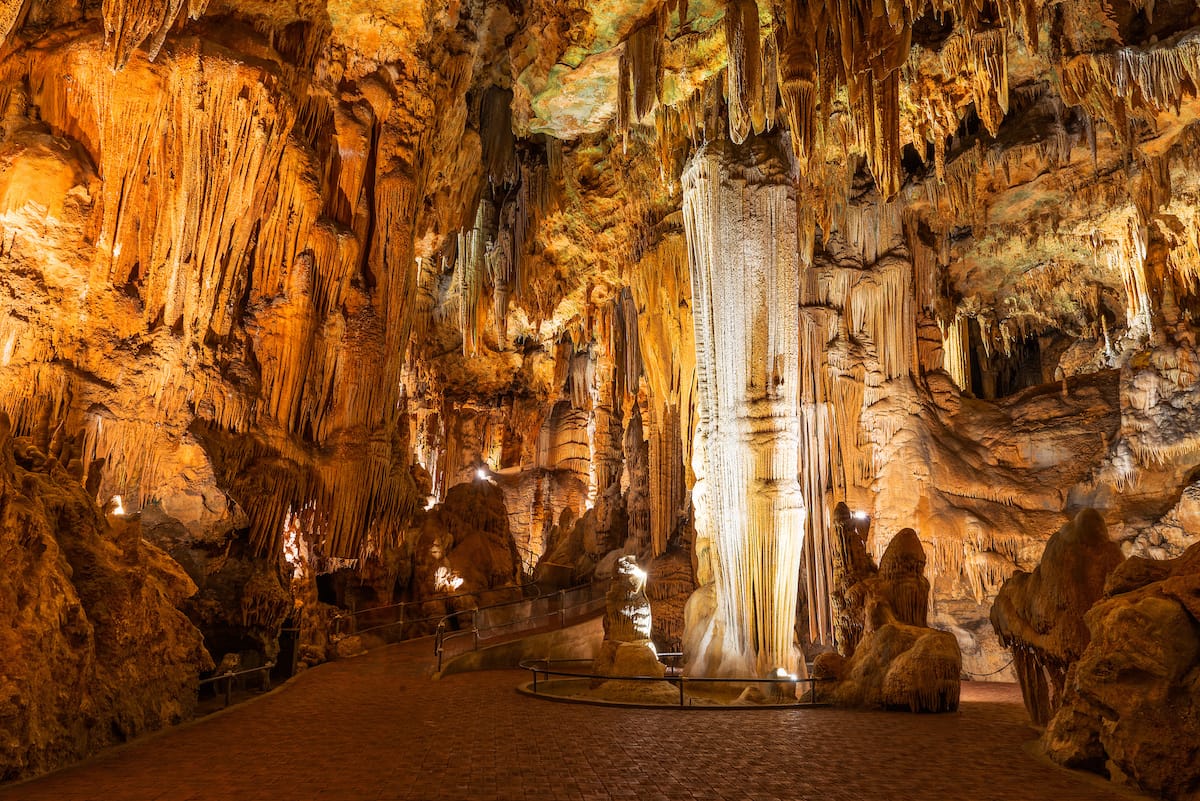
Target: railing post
{"type": "Point", "coordinates": [228, 689]}
{"type": "Point", "coordinates": [562, 608]}
{"type": "Point", "coordinates": [681, 691]}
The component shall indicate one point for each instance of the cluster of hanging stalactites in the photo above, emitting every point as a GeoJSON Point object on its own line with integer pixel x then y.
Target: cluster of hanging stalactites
{"type": "Point", "coordinates": [491, 254]}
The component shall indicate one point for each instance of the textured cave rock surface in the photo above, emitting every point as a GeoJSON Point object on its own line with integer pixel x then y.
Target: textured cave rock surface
{"type": "Point", "coordinates": [1040, 614]}
{"type": "Point", "coordinates": [897, 661]}
{"type": "Point", "coordinates": [464, 550]}
{"type": "Point", "coordinates": [299, 270]}
{"type": "Point", "coordinates": [627, 649]}
{"type": "Point", "coordinates": [95, 647]}
{"type": "Point", "coordinates": [1131, 705]}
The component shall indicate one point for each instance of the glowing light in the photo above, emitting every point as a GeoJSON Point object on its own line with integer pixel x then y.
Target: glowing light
{"type": "Point", "coordinates": [446, 580]}
{"type": "Point", "coordinates": [118, 506]}
{"type": "Point", "coordinates": [639, 574]}
{"type": "Point", "coordinates": [861, 515]}
{"type": "Point", "coordinates": [291, 549]}
{"type": "Point", "coordinates": [295, 550]}
{"type": "Point", "coordinates": [481, 474]}
{"type": "Point", "coordinates": [430, 502]}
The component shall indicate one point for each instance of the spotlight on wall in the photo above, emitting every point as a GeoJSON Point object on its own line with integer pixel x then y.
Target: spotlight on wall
{"type": "Point", "coordinates": [118, 506]}
{"type": "Point", "coordinates": [481, 474]}
{"type": "Point", "coordinates": [861, 515]}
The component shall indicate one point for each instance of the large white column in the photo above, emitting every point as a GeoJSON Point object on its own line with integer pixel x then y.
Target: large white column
{"type": "Point", "coordinates": [739, 209]}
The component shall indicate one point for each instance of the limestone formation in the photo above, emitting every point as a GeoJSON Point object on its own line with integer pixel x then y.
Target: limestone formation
{"type": "Point", "coordinates": [1131, 706]}
{"type": "Point", "coordinates": [1040, 615]}
{"type": "Point", "coordinates": [739, 210]}
{"type": "Point", "coordinates": [95, 648]}
{"type": "Point", "coordinates": [465, 551]}
{"type": "Point", "coordinates": [627, 649]}
{"type": "Point", "coordinates": [899, 662]}
{"type": "Point", "coordinates": [852, 565]}
{"type": "Point", "coordinates": [698, 271]}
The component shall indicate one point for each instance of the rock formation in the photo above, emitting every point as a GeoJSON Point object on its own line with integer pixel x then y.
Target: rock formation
{"type": "Point", "coordinates": [1040, 615]}
{"type": "Point", "coordinates": [899, 662]}
{"type": "Point", "coordinates": [739, 207]}
{"type": "Point", "coordinates": [627, 649]}
{"type": "Point", "coordinates": [300, 270]}
{"type": "Point", "coordinates": [852, 566]}
{"type": "Point", "coordinates": [1109, 657]}
{"type": "Point", "coordinates": [95, 648]}
{"type": "Point", "coordinates": [1131, 708]}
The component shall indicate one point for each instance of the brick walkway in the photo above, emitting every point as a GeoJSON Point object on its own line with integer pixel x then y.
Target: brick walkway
{"type": "Point", "coordinates": [376, 728]}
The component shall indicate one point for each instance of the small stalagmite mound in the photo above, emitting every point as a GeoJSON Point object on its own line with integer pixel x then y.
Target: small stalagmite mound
{"type": "Point", "coordinates": [898, 662]}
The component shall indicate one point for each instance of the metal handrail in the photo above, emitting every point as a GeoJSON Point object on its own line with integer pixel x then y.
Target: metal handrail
{"type": "Point", "coordinates": [229, 675]}
{"type": "Point", "coordinates": [441, 635]}
{"type": "Point", "coordinates": [336, 627]}
{"type": "Point", "coordinates": [681, 680]}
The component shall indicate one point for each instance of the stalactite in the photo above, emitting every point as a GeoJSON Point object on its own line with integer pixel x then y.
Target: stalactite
{"type": "Point", "coordinates": [875, 108]}
{"type": "Point", "coordinates": [471, 274]}
{"type": "Point", "coordinates": [667, 485]}
{"type": "Point", "coordinates": [957, 352]}
{"type": "Point", "coordinates": [662, 290]}
{"type": "Point", "coordinates": [797, 60]}
{"type": "Point", "coordinates": [743, 76]}
{"type": "Point", "coordinates": [129, 23]}
{"type": "Point", "coordinates": [1116, 84]}
{"type": "Point", "coordinates": [496, 134]}
{"type": "Point", "coordinates": [627, 354]}
{"type": "Point", "coordinates": [581, 379]}
{"type": "Point", "coordinates": [644, 65]}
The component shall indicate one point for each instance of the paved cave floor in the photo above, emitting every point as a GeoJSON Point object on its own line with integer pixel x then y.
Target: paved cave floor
{"type": "Point", "coordinates": [377, 727]}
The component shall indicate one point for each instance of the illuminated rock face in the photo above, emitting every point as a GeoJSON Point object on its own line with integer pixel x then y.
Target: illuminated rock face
{"type": "Point", "coordinates": [1040, 614]}
{"type": "Point", "coordinates": [297, 268]}
{"type": "Point", "coordinates": [739, 215]}
{"type": "Point", "coordinates": [627, 649]}
{"type": "Point", "coordinates": [1107, 650]}
{"type": "Point", "coordinates": [94, 646]}
{"type": "Point", "coordinates": [1131, 707]}
{"type": "Point", "coordinates": [898, 661]}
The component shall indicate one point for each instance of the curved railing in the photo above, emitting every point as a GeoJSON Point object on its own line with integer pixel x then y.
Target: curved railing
{"type": "Point", "coordinates": [542, 667]}
{"type": "Point", "coordinates": [493, 622]}
{"type": "Point", "coordinates": [344, 625]}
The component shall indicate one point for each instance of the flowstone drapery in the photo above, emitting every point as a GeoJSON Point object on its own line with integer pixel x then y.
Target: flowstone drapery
{"type": "Point", "coordinates": [739, 212]}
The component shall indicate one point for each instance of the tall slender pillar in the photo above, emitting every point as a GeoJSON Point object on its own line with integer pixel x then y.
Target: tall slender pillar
{"type": "Point", "coordinates": [739, 208]}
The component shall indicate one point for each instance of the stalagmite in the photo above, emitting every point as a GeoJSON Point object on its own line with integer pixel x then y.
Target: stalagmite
{"type": "Point", "coordinates": [851, 565]}
{"type": "Point", "coordinates": [739, 216]}
{"type": "Point", "coordinates": [900, 662]}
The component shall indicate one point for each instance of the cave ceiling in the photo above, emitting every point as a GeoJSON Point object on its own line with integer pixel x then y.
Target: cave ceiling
{"type": "Point", "coordinates": [288, 235]}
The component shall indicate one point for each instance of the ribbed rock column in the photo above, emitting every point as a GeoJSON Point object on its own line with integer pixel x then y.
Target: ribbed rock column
{"type": "Point", "coordinates": [739, 212]}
